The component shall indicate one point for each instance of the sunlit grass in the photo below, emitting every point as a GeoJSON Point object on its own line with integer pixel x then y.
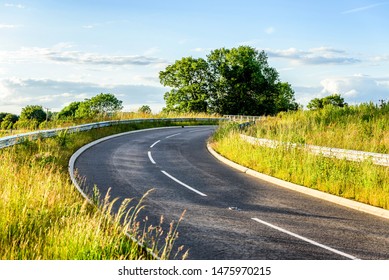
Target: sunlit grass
{"type": "Point", "coordinates": [364, 127]}
{"type": "Point", "coordinates": [360, 181]}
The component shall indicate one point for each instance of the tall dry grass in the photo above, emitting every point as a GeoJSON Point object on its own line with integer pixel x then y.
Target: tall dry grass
{"type": "Point", "coordinates": [360, 181]}
{"type": "Point", "coordinates": [362, 127]}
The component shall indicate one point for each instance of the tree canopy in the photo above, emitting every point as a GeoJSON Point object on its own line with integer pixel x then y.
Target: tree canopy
{"type": "Point", "coordinates": [69, 111]}
{"type": "Point", "coordinates": [188, 78]}
{"type": "Point", "coordinates": [105, 104]}
{"type": "Point", "coordinates": [230, 81]}
{"type": "Point", "coordinates": [100, 105]}
{"type": "Point", "coordinates": [33, 112]}
{"type": "Point", "coordinates": [334, 100]}
{"type": "Point", "coordinates": [144, 109]}
{"type": "Point", "coordinates": [8, 121]}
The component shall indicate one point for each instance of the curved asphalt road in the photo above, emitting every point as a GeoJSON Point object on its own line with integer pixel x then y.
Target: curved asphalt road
{"type": "Point", "coordinates": [230, 215]}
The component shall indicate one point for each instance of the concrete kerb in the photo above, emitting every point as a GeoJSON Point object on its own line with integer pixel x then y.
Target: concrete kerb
{"type": "Point", "coordinates": [305, 190]}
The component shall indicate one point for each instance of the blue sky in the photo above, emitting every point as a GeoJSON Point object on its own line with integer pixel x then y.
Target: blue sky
{"type": "Point", "coordinates": [56, 52]}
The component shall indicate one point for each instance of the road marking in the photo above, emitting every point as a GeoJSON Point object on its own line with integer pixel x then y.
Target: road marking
{"type": "Point", "coordinates": [151, 158]}
{"type": "Point", "coordinates": [306, 239]}
{"type": "Point", "coordinates": [155, 143]}
{"type": "Point", "coordinates": [183, 184]}
{"type": "Point", "coordinates": [198, 130]}
{"type": "Point", "coordinates": [172, 135]}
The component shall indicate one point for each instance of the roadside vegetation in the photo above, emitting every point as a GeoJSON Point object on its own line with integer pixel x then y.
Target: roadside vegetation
{"type": "Point", "coordinates": [362, 127]}
{"type": "Point", "coordinates": [42, 216]}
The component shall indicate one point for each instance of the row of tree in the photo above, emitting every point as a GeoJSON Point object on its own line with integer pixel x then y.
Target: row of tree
{"type": "Point", "coordinates": [101, 105]}
{"type": "Point", "coordinates": [32, 116]}
{"type": "Point", "coordinates": [237, 81]}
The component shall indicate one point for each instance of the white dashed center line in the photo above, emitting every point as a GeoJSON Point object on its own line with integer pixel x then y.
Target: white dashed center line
{"type": "Point", "coordinates": [151, 158]}
{"type": "Point", "coordinates": [172, 135]}
{"type": "Point", "coordinates": [183, 184]}
{"type": "Point", "coordinates": [155, 143]}
{"type": "Point", "coordinates": [306, 239]}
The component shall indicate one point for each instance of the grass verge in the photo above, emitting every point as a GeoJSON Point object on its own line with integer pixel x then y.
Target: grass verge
{"type": "Point", "coordinates": [362, 127]}
{"type": "Point", "coordinates": [360, 181]}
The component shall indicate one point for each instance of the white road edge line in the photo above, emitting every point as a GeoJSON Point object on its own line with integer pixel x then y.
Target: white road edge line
{"type": "Point", "coordinates": [172, 135]}
{"type": "Point", "coordinates": [306, 239]}
{"type": "Point", "coordinates": [151, 158]}
{"type": "Point", "coordinates": [155, 143]}
{"type": "Point", "coordinates": [183, 184]}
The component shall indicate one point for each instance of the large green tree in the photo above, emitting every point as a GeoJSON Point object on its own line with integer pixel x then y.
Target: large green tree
{"type": "Point", "coordinates": [2, 116]}
{"type": "Point", "coordinates": [100, 105]}
{"type": "Point", "coordinates": [188, 79]}
{"type": "Point", "coordinates": [318, 103]}
{"type": "Point", "coordinates": [8, 121]}
{"type": "Point", "coordinates": [242, 82]}
{"type": "Point", "coordinates": [33, 113]}
{"type": "Point", "coordinates": [69, 111]}
{"type": "Point", "coordinates": [231, 81]}
{"type": "Point", "coordinates": [145, 109]}
{"type": "Point", "coordinates": [285, 99]}
{"type": "Point", "coordinates": [105, 104]}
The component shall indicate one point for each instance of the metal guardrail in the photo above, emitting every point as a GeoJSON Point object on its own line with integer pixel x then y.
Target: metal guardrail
{"type": "Point", "coordinates": [352, 155]}
{"type": "Point", "coordinates": [34, 135]}
{"type": "Point", "coordinates": [242, 118]}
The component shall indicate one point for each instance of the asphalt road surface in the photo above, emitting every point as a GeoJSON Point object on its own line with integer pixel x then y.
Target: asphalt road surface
{"type": "Point", "coordinates": [229, 214]}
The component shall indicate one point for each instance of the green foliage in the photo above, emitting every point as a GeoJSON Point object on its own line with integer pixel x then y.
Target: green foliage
{"type": "Point", "coordinates": [33, 112]}
{"type": "Point", "coordinates": [69, 111]}
{"type": "Point", "coordinates": [105, 104]}
{"type": "Point", "coordinates": [285, 100]}
{"type": "Point", "coordinates": [8, 121]}
{"type": "Point", "coordinates": [27, 124]}
{"type": "Point", "coordinates": [101, 105]}
{"type": "Point", "coordinates": [2, 116]}
{"type": "Point", "coordinates": [188, 79]}
{"type": "Point", "coordinates": [144, 109]}
{"type": "Point", "coordinates": [242, 82]}
{"type": "Point", "coordinates": [319, 103]}
{"type": "Point", "coordinates": [231, 81]}
{"type": "Point", "coordinates": [84, 110]}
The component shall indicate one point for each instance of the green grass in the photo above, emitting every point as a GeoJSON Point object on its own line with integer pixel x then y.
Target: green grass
{"type": "Point", "coordinates": [42, 216]}
{"type": "Point", "coordinates": [364, 127]}
{"type": "Point", "coordinates": [360, 181]}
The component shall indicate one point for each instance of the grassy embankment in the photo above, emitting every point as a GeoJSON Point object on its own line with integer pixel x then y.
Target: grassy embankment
{"type": "Point", "coordinates": [42, 216]}
{"type": "Point", "coordinates": [118, 116]}
{"type": "Point", "coordinates": [363, 127]}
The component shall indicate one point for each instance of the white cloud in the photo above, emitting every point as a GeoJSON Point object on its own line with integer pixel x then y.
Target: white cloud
{"type": "Point", "coordinates": [8, 26]}
{"type": "Point", "coordinates": [201, 50]}
{"type": "Point", "coordinates": [314, 56]}
{"type": "Point", "coordinates": [93, 58]}
{"type": "Point", "coordinates": [380, 58]}
{"type": "Point", "coordinates": [10, 5]}
{"type": "Point", "coordinates": [270, 30]}
{"type": "Point", "coordinates": [364, 8]}
{"type": "Point", "coordinates": [354, 89]}
{"type": "Point", "coordinates": [55, 94]}
{"type": "Point", "coordinates": [60, 53]}
{"type": "Point", "coordinates": [357, 88]}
